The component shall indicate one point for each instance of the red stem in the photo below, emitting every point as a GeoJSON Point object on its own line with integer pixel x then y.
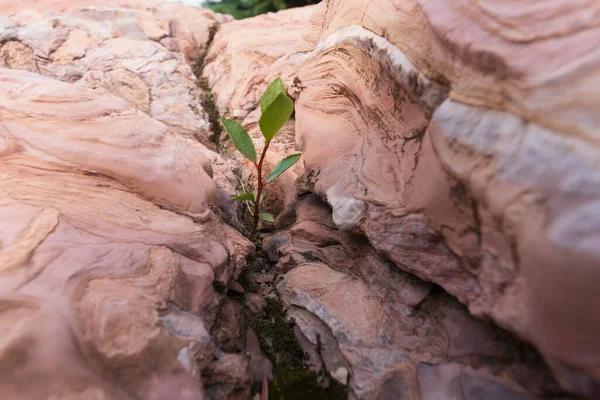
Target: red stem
{"type": "Point", "coordinates": [260, 185]}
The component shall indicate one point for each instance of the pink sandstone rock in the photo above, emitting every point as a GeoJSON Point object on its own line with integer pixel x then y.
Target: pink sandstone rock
{"type": "Point", "coordinates": [108, 245]}
{"type": "Point", "coordinates": [138, 54]}
{"type": "Point", "coordinates": [454, 142]}
{"type": "Point", "coordinates": [189, 27]}
{"type": "Point", "coordinates": [461, 139]}
{"type": "Point", "coordinates": [373, 327]}
{"type": "Point", "coordinates": [240, 67]}
{"type": "Point", "coordinates": [118, 50]}
{"type": "Point", "coordinates": [434, 130]}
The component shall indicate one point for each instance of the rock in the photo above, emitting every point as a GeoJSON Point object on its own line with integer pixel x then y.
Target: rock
{"type": "Point", "coordinates": [230, 327]}
{"type": "Point", "coordinates": [447, 143]}
{"type": "Point", "coordinates": [240, 67]}
{"type": "Point", "coordinates": [341, 375]}
{"type": "Point", "coordinates": [127, 85]}
{"type": "Point", "coordinates": [60, 6]}
{"type": "Point", "coordinates": [260, 366]}
{"type": "Point", "coordinates": [264, 278]}
{"type": "Point", "coordinates": [155, 27]}
{"type": "Point", "coordinates": [432, 129]}
{"type": "Point", "coordinates": [228, 378]}
{"type": "Point", "coordinates": [16, 55]}
{"type": "Point", "coordinates": [314, 237]}
{"type": "Point", "coordinates": [189, 27]}
{"type": "Point", "coordinates": [461, 383]}
{"type": "Point", "coordinates": [449, 156]}
{"type": "Point", "coordinates": [376, 346]}
{"type": "Point", "coordinates": [255, 304]}
{"type": "Point", "coordinates": [108, 245]}
{"type": "Point", "coordinates": [115, 50]}
{"type": "Point", "coordinates": [312, 357]}
{"type": "Point", "coordinates": [235, 287]}
{"type": "Point", "coordinates": [78, 127]}
{"type": "Point", "coordinates": [370, 325]}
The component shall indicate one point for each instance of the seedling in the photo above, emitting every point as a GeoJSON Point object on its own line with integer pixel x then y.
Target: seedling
{"type": "Point", "coordinates": [276, 109]}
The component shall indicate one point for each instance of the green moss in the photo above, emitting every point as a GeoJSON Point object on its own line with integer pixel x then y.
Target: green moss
{"type": "Point", "coordinates": [277, 337]}
{"type": "Point", "coordinates": [206, 96]}
{"type": "Point", "coordinates": [301, 384]}
{"type": "Point", "coordinates": [208, 103]}
{"type": "Point", "coordinates": [292, 380]}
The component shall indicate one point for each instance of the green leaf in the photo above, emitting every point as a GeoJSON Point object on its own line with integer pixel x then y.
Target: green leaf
{"type": "Point", "coordinates": [283, 166]}
{"type": "Point", "coordinates": [246, 196]}
{"type": "Point", "coordinates": [240, 139]}
{"type": "Point", "coordinates": [254, 193]}
{"type": "Point", "coordinates": [267, 217]}
{"type": "Point", "coordinates": [275, 115]}
{"type": "Point", "coordinates": [275, 89]}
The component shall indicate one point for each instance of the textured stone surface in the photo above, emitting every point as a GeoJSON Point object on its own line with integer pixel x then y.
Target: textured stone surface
{"type": "Point", "coordinates": [120, 50]}
{"type": "Point", "coordinates": [374, 327]}
{"type": "Point", "coordinates": [174, 24]}
{"type": "Point", "coordinates": [454, 143]}
{"type": "Point", "coordinates": [240, 67]}
{"type": "Point", "coordinates": [457, 382]}
{"type": "Point", "coordinates": [142, 54]}
{"type": "Point", "coordinates": [461, 139]}
{"type": "Point", "coordinates": [108, 245]}
{"type": "Point", "coordinates": [228, 377]}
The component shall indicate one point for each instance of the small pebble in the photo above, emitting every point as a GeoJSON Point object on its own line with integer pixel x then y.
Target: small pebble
{"type": "Point", "coordinates": [264, 278]}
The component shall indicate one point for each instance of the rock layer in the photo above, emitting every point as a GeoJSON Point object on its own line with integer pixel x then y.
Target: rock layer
{"type": "Point", "coordinates": [143, 55]}
{"type": "Point", "coordinates": [137, 54]}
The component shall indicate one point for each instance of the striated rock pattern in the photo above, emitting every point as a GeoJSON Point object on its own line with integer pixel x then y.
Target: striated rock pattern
{"type": "Point", "coordinates": [110, 245]}
{"type": "Point", "coordinates": [239, 68]}
{"type": "Point", "coordinates": [384, 332]}
{"type": "Point", "coordinates": [460, 138]}
{"type": "Point", "coordinates": [143, 55]}
{"type": "Point", "coordinates": [137, 54]}
{"type": "Point", "coordinates": [465, 151]}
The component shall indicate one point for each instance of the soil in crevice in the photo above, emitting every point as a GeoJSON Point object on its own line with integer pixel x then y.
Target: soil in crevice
{"type": "Point", "coordinates": [277, 341]}
{"type": "Point", "coordinates": [206, 95]}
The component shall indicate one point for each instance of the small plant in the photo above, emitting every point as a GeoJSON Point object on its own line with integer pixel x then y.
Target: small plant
{"type": "Point", "coordinates": [276, 109]}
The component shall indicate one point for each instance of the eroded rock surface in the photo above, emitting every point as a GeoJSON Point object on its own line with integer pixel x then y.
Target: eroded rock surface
{"type": "Point", "coordinates": [109, 246]}
{"type": "Point", "coordinates": [376, 328]}
{"type": "Point", "coordinates": [137, 54]}
{"type": "Point", "coordinates": [451, 157]}
{"type": "Point", "coordinates": [460, 140]}
{"type": "Point", "coordinates": [143, 53]}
